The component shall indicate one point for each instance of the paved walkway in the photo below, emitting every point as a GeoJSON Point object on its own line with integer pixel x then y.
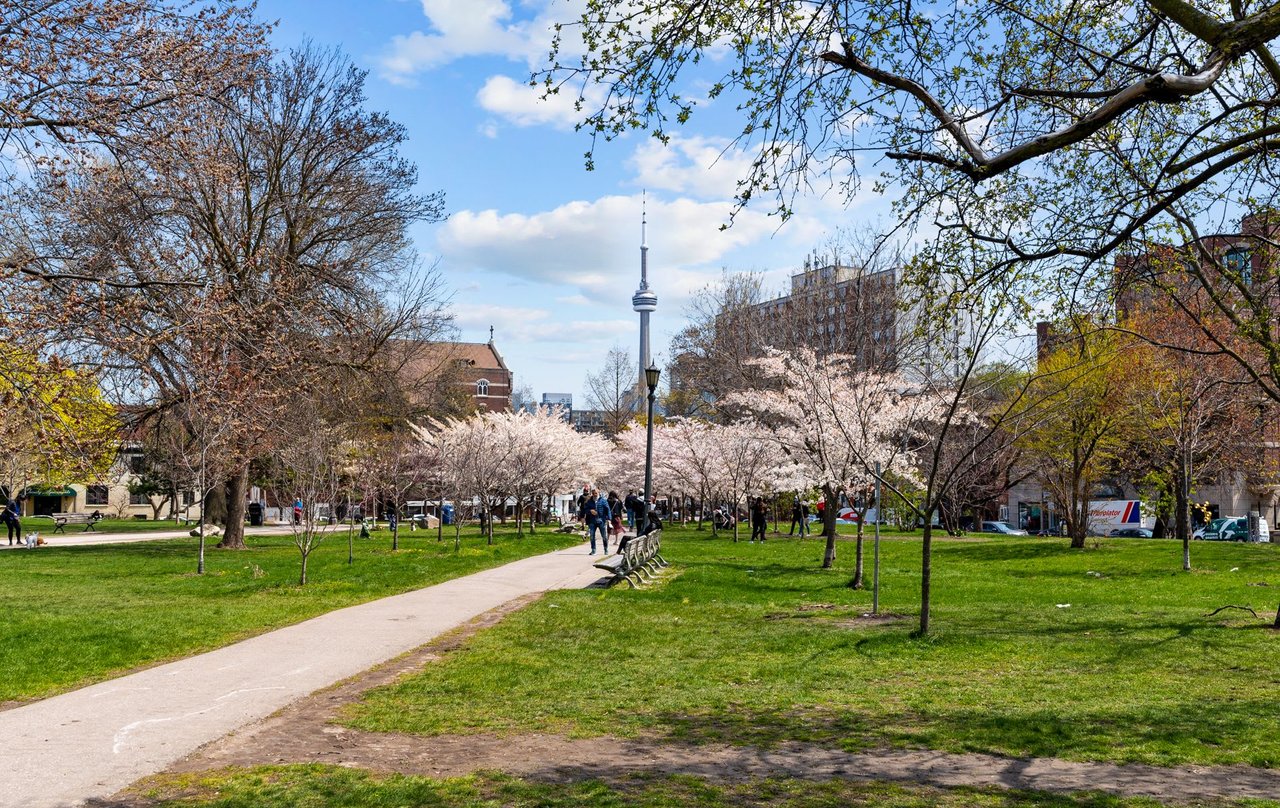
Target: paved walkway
{"type": "Point", "coordinates": [79, 537]}
{"type": "Point", "coordinates": [92, 742]}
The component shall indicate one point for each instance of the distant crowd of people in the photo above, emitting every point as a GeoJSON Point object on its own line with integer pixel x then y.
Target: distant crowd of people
{"type": "Point", "coordinates": [610, 516]}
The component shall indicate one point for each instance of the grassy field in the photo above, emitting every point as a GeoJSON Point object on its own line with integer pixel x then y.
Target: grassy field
{"type": "Point", "coordinates": [72, 615]}
{"type": "Point", "coordinates": [1100, 654]}
{"type": "Point", "coordinates": [311, 786]}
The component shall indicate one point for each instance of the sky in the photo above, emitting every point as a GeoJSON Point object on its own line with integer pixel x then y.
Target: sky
{"type": "Point", "coordinates": [536, 246]}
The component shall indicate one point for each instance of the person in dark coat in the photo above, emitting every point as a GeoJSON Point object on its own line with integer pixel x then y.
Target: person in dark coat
{"type": "Point", "coordinates": [759, 518]}
{"type": "Point", "coordinates": [12, 520]}
{"type": "Point", "coordinates": [797, 519]}
{"type": "Point", "coordinates": [652, 522]}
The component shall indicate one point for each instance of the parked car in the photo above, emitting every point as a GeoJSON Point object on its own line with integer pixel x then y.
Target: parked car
{"type": "Point", "coordinates": [1131, 533]}
{"type": "Point", "coordinates": [1230, 528]}
{"type": "Point", "coordinates": [1235, 528]}
{"type": "Point", "coordinates": [1002, 528]}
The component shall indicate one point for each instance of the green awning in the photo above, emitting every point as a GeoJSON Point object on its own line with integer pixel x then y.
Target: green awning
{"type": "Point", "coordinates": [48, 491]}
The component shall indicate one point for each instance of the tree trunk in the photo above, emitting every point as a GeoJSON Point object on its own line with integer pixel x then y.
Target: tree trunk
{"type": "Point", "coordinates": [856, 583]}
{"type": "Point", "coordinates": [1182, 519]}
{"type": "Point", "coordinates": [213, 509]}
{"type": "Point", "coordinates": [237, 490]}
{"type": "Point", "coordinates": [926, 575]}
{"type": "Point", "coordinates": [832, 500]}
{"type": "Point", "coordinates": [1079, 520]}
{"type": "Point", "coordinates": [302, 577]}
{"type": "Point", "coordinates": [200, 562]}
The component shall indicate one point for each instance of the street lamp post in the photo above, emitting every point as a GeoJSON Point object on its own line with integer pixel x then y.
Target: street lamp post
{"type": "Point", "coordinates": [651, 379]}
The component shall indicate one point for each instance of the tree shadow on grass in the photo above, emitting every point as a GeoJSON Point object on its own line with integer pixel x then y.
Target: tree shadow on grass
{"type": "Point", "coordinates": [1223, 731]}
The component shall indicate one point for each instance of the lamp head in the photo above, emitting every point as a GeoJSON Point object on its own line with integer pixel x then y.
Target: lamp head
{"type": "Point", "coordinates": [651, 376]}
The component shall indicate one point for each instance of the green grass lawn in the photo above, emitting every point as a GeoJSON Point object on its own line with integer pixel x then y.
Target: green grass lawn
{"type": "Point", "coordinates": [754, 644]}
{"type": "Point", "coordinates": [72, 615]}
{"type": "Point", "coordinates": [315, 785]}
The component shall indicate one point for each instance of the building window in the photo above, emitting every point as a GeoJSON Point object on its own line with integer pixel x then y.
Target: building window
{"type": "Point", "coordinates": [1237, 260]}
{"type": "Point", "coordinates": [482, 387]}
{"type": "Point", "coordinates": [139, 499]}
{"type": "Point", "coordinates": [136, 463]}
{"type": "Point", "coordinates": [96, 495]}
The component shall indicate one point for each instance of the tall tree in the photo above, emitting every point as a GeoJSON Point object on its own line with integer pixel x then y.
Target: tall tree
{"type": "Point", "coordinates": [290, 204]}
{"type": "Point", "coordinates": [1196, 416]}
{"type": "Point", "coordinates": [1079, 420]}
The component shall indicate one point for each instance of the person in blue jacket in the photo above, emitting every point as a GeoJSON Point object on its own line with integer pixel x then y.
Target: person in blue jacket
{"type": "Point", "coordinates": [598, 518]}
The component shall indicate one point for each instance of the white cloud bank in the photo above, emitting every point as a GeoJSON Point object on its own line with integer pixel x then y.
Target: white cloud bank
{"type": "Point", "coordinates": [523, 105]}
{"type": "Point", "coordinates": [461, 28]}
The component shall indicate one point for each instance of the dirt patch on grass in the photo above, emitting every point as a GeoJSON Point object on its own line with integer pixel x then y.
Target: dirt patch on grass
{"type": "Point", "coordinates": [301, 733]}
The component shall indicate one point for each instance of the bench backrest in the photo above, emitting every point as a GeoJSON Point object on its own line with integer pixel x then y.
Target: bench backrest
{"type": "Point", "coordinates": [641, 550]}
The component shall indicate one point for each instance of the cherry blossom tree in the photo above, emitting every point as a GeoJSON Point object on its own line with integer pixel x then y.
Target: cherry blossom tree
{"type": "Point", "coordinates": [746, 456]}
{"type": "Point", "coordinates": [834, 423]}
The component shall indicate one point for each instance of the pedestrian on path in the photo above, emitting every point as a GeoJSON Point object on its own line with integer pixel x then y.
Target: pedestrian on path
{"type": "Point", "coordinates": [634, 506]}
{"type": "Point", "coordinates": [615, 513]}
{"type": "Point", "coordinates": [10, 517]}
{"type": "Point", "coordinates": [799, 517]}
{"type": "Point", "coordinates": [759, 519]}
{"type": "Point", "coordinates": [598, 518]}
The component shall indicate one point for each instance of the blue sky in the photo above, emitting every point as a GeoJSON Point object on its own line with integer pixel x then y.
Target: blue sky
{"type": "Point", "coordinates": [536, 246]}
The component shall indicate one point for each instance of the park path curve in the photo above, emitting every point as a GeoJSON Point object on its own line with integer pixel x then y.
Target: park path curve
{"type": "Point", "coordinates": [91, 538]}
{"type": "Point", "coordinates": [92, 742]}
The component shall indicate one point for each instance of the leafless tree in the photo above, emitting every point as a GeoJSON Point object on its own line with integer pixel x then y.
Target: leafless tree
{"type": "Point", "coordinates": [612, 390]}
{"type": "Point", "coordinates": [290, 205]}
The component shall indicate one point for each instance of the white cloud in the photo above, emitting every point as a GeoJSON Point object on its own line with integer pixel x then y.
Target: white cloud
{"type": "Point", "coordinates": [592, 248]}
{"type": "Point", "coordinates": [459, 29]}
{"type": "Point", "coordinates": [523, 324]}
{"type": "Point", "coordinates": [523, 105]}
{"type": "Point", "coordinates": [703, 167]}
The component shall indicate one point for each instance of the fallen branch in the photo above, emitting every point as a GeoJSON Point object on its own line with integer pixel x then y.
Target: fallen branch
{"type": "Point", "coordinates": [1241, 608]}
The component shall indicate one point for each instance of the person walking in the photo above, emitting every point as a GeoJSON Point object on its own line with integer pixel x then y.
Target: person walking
{"type": "Point", "coordinates": [598, 518]}
{"type": "Point", "coordinates": [12, 520]}
{"type": "Point", "coordinates": [797, 518]}
{"type": "Point", "coordinates": [759, 519]}
{"type": "Point", "coordinates": [584, 504]}
{"type": "Point", "coordinates": [615, 512]}
{"type": "Point", "coordinates": [634, 506]}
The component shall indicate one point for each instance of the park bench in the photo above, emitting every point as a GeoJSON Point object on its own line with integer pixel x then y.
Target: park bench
{"type": "Point", "coordinates": [61, 520]}
{"type": "Point", "coordinates": [641, 558]}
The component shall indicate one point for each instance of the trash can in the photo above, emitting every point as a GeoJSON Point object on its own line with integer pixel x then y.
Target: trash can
{"type": "Point", "coordinates": [447, 513]}
{"type": "Point", "coordinates": [255, 514]}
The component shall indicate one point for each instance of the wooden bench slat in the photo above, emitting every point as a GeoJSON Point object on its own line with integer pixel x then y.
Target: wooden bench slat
{"type": "Point", "coordinates": [61, 520]}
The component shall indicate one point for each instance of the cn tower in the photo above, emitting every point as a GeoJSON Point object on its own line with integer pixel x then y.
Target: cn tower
{"type": "Point", "coordinates": [644, 300]}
